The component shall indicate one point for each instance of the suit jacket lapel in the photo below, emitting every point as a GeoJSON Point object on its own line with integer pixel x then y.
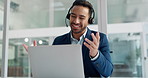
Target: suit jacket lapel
{"type": "Point", "coordinates": [88, 34]}
{"type": "Point", "coordinates": [84, 48]}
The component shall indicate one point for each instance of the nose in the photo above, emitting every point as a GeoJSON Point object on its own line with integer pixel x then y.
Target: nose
{"type": "Point", "coordinates": [76, 20]}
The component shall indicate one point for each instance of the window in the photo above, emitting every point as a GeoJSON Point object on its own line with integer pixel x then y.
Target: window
{"type": "Point", "coordinates": [124, 27]}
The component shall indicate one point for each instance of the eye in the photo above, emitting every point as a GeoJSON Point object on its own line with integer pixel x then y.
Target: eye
{"type": "Point", "coordinates": [82, 18]}
{"type": "Point", "coordinates": [73, 16]}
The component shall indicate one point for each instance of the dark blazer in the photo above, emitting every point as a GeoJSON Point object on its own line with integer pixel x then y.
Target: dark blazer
{"type": "Point", "coordinates": [102, 66]}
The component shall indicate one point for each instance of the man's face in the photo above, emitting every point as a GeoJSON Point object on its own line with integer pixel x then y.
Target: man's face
{"type": "Point", "coordinates": [79, 19]}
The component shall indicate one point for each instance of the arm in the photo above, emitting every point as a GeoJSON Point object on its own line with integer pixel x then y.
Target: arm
{"type": "Point", "coordinates": [103, 63]}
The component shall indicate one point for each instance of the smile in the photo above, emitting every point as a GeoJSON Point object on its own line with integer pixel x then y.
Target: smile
{"type": "Point", "coordinates": [75, 25]}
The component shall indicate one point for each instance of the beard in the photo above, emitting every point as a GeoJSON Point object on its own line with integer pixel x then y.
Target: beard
{"type": "Point", "coordinates": [77, 31]}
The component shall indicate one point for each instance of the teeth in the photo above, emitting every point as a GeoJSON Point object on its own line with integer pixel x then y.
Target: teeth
{"type": "Point", "coordinates": [76, 26]}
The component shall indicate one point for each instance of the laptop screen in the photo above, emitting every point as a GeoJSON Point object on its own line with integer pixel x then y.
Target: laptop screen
{"type": "Point", "coordinates": [56, 61]}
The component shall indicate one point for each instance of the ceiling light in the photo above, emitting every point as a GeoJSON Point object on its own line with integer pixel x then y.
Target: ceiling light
{"type": "Point", "coordinates": [40, 42]}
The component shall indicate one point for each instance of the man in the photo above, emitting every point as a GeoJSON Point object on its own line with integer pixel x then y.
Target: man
{"type": "Point", "coordinates": [95, 47]}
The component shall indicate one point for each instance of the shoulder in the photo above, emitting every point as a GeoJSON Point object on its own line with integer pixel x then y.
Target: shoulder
{"type": "Point", "coordinates": [62, 36]}
{"type": "Point", "coordinates": [61, 39]}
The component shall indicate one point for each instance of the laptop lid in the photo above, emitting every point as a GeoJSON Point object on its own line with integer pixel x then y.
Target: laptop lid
{"type": "Point", "coordinates": [56, 61]}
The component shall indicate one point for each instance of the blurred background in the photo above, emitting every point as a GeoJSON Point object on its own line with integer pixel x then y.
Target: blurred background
{"type": "Point", "coordinates": [43, 20]}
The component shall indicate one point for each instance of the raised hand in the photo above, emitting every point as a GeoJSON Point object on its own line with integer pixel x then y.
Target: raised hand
{"type": "Point", "coordinates": [26, 47]}
{"type": "Point", "coordinates": [93, 45]}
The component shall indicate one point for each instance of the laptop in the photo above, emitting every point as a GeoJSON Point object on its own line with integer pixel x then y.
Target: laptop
{"type": "Point", "coordinates": [56, 61]}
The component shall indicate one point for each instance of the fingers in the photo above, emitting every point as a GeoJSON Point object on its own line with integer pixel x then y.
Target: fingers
{"type": "Point", "coordinates": [98, 36]}
{"type": "Point", "coordinates": [94, 39]}
{"type": "Point", "coordinates": [26, 47]}
{"type": "Point", "coordinates": [35, 43]}
{"type": "Point", "coordinates": [88, 46]}
{"type": "Point", "coordinates": [93, 44]}
{"type": "Point", "coordinates": [90, 43]}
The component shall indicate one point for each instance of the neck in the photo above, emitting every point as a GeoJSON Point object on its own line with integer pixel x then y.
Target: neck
{"type": "Point", "coordinates": [78, 35]}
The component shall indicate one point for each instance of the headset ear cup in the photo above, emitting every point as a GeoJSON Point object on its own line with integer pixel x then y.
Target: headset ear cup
{"type": "Point", "coordinates": [68, 16]}
{"type": "Point", "coordinates": [91, 20]}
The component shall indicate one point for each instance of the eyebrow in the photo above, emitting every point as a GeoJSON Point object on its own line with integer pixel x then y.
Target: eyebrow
{"type": "Point", "coordinates": [79, 15]}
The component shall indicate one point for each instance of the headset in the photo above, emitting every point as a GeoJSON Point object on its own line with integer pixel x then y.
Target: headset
{"type": "Point", "coordinates": [85, 4]}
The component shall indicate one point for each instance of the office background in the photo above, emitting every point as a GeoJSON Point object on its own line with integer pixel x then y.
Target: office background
{"type": "Point", "coordinates": [43, 20]}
